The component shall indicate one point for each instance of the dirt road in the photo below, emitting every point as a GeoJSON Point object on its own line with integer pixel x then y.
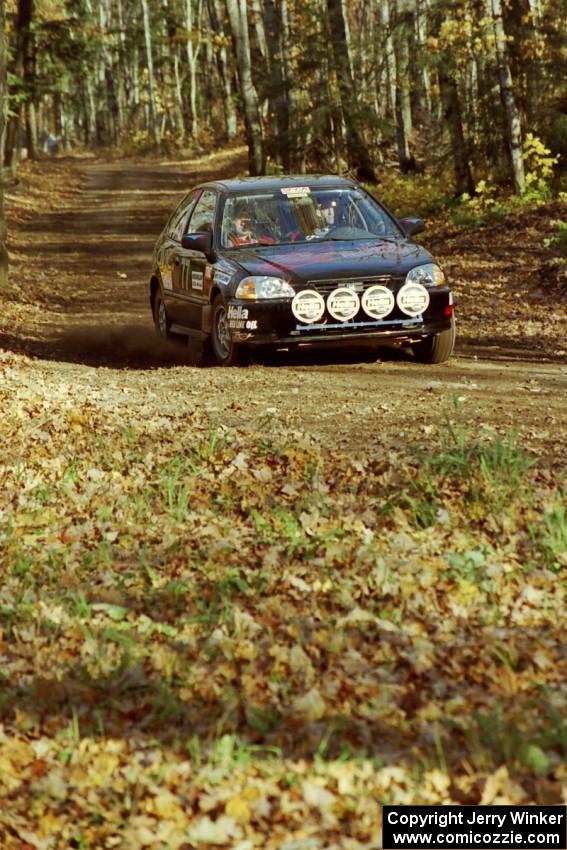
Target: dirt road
{"type": "Point", "coordinates": [81, 314]}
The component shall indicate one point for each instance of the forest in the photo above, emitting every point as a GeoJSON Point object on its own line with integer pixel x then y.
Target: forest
{"type": "Point", "coordinates": [314, 85]}
{"type": "Point", "coordinates": [248, 607]}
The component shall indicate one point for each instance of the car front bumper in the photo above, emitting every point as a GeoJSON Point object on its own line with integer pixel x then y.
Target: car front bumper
{"type": "Point", "coordinates": [271, 323]}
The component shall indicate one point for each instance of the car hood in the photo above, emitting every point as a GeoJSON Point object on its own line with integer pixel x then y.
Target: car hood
{"type": "Point", "coordinates": [333, 260]}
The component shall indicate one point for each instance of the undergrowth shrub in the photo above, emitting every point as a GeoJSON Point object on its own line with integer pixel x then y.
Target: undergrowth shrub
{"type": "Point", "coordinates": [423, 194]}
{"type": "Point", "coordinates": [488, 205]}
{"type": "Point", "coordinates": [558, 239]}
{"type": "Point", "coordinates": [483, 208]}
{"type": "Point", "coordinates": [539, 164]}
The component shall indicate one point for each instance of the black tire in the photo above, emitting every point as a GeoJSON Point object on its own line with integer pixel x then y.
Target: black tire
{"type": "Point", "coordinates": [225, 350]}
{"type": "Point", "coordinates": [162, 323]}
{"type": "Point", "coordinates": [437, 348]}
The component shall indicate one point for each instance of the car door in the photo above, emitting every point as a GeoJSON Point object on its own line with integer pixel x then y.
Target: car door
{"type": "Point", "coordinates": [169, 257]}
{"type": "Point", "coordinates": [194, 270]}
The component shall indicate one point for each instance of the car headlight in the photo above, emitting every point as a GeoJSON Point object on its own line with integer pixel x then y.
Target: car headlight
{"type": "Point", "coordinates": [428, 275]}
{"type": "Point", "coordinates": [258, 287]}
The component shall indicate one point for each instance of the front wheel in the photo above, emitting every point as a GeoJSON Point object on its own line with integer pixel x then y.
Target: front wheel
{"type": "Point", "coordinates": [437, 348]}
{"type": "Point", "coordinates": [225, 350]}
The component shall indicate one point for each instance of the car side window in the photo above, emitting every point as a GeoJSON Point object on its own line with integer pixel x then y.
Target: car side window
{"type": "Point", "coordinates": [176, 226]}
{"type": "Point", "coordinates": [201, 220]}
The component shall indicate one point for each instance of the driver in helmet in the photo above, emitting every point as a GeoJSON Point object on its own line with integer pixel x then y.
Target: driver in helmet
{"type": "Point", "coordinates": [241, 227]}
{"type": "Point", "coordinates": [328, 207]}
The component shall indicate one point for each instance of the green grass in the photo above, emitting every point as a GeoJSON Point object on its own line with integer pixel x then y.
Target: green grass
{"type": "Point", "coordinates": [534, 740]}
{"type": "Point", "coordinates": [550, 536]}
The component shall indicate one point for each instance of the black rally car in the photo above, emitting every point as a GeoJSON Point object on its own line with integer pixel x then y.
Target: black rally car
{"type": "Point", "coordinates": [296, 261]}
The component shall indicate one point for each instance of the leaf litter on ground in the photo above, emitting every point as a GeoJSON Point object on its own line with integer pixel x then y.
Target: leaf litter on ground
{"type": "Point", "coordinates": [235, 631]}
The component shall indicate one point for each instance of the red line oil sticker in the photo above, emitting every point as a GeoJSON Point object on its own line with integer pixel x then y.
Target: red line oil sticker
{"type": "Point", "coordinates": [343, 304]}
{"type": "Point", "coordinates": [378, 301]}
{"type": "Point", "coordinates": [308, 306]}
{"type": "Point", "coordinates": [413, 299]}
{"type": "Point", "coordinates": [238, 319]}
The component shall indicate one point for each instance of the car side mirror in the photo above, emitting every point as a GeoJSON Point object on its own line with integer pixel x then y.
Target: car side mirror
{"type": "Point", "coordinates": [411, 225]}
{"type": "Point", "coordinates": [201, 241]}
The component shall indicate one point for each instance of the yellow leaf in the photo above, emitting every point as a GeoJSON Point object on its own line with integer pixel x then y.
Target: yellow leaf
{"type": "Point", "coordinates": [166, 805]}
{"type": "Point", "coordinates": [239, 809]}
{"type": "Point", "coordinates": [49, 824]}
{"type": "Point", "coordinates": [220, 831]}
{"type": "Point", "coordinates": [311, 705]}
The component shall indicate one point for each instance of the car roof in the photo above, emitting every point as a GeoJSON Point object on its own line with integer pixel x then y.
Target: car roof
{"type": "Point", "coordinates": [272, 183]}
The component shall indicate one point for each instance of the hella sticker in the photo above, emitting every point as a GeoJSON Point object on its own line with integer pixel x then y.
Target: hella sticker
{"type": "Point", "coordinates": [343, 304]}
{"type": "Point", "coordinates": [378, 302]}
{"type": "Point", "coordinates": [413, 299]}
{"type": "Point", "coordinates": [308, 306]}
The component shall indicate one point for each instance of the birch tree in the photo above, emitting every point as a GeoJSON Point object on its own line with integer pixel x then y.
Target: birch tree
{"type": "Point", "coordinates": [281, 98]}
{"type": "Point", "coordinates": [511, 112]}
{"type": "Point", "coordinates": [216, 16]}
{"type": "Point", "coordinates": [448, 75]}
{"type": "Point", "coordinates": [171, 77]}
{"type": "Point", "coordinates": [238, 18]}
{"type": "Point", "coordinates": [357, 151]}
{"type": "Point", "coordinates": [389, 57]}
{"type": "Point", "coordinates": [192, 24]}
{"type": "Point", "coordinates": [152, 108]}
{"type": "Point", "coordinates": [3, 99]}
{"type": "Point", "coordinates": [401, 18]}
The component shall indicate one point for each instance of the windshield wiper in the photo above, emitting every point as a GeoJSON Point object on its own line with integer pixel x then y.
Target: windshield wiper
{"type": "Point", "coordinates": [331, 238]}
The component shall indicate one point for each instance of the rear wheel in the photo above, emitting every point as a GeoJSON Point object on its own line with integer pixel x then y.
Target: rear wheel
{"type": "Point", "coordinates": [437, 348]}
{"type": "Point", "coordinates": [161, 319]}
{"type": "Point", "coordinates": [225, 350]}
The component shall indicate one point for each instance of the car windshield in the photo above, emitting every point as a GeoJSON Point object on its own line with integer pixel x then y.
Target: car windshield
{"type": "Point", "coordinates": [304, 214]}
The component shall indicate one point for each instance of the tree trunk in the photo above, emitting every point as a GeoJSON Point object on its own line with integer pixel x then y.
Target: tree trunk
{"type": "Point", "coordinates": [122, 76]}
{"type": "Point", "coordinates": [192, 58]}
{"type": "Point", "coordinates": [357, 151]}
{"type": "Point", "coordinates": [108, 104]}
{"type": "Point", "coordinates": [152, 111]}
{"type": "Point", "coordinates": [420, 31]}
{"type": "Point", "coordinates": [170, 73]}
{"type": "Point", "coordinates": [390, 56]}
{"type": "Point", "coordinates": [521, 21]}
{"type": "Point", "coordinates": [223, 70]}
{"type": "Point", "coordinates": [513, 123]}
{"type": "Point", "coordinates": [403, 90]}
{"type": "Point", "coordinates": [534, 70]}
{"type": "Point", "coordinates": [258, 23]}
{"type": "Point", "coordinates": [238, 17]}
{"type": "Point", "coordinates": [459, 148]}
{"type": "Point", "coordinates": [26, 9]}
{"type": "Point", "coordinates": [452, 115]}
{"type": "Point", "coordinates": [297, 150]}
{"type": "Point", "coordinates": [278, 110]}
{"type": "Point", "coordinates": [3, 99]}
{"type": "Point", "coordinates": [23, 88]}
